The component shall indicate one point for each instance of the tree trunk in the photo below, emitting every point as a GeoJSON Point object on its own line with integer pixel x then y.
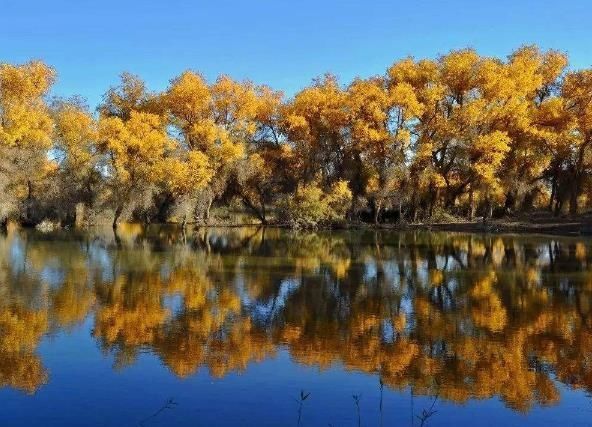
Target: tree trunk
{"type": "Point", "coordinates": [413, 208]}
{"type": "Point", "coordinates": [29, 207]}
{"type": "Point", "coordinates": [116, 237]}
{"type": "Point", "coordinates": [433, 200]}
{"type": "Point", "coordinates": [259, 211]}
{"type": "Point", "coordinates": [118, 212]}
{"type": "Point", "coordinates": [510, 203]}
{"type": "Point", "coordinates": [488, 210]}
{"type": "Point", "coordinates": [558, 206]}
{"type": "Point", "coordinates": [79, 214]}
{"type": "Point", "coordinates": [263, 216]}
{"type": "Point", "coordinates": [471, 204]}
{"type": "Point", "coordinates": [207, 212]}
{"type": "Point", "coordinates": [573, 197]}
{"type": "Point", "coordinates": [377, 207]}
{"type": "Point", "coordinates": [577, 181]}
{"type": "Point", "coordinates": [528, 201]}
{"type": "Point", "coordinates": [553, 191]}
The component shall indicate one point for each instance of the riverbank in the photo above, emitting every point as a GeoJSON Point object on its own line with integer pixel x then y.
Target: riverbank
{"type": "Point", "coordinates": [567, 228]}
{"type": "Point", "coordinates": [538, 223]}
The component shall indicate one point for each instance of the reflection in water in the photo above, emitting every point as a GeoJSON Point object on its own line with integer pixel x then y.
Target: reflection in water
{"type": "Point", "coordinates": [458, 317]}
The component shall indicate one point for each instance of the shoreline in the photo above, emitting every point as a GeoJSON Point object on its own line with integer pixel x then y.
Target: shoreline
{"type": "Point", "coordinates": [574, 228]}
{"type": "Point", "coordinates": [547, 226]}
{"type": "Point", "coordinates": [559, 227]}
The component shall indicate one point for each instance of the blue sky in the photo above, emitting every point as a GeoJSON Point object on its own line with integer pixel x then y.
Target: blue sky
{"type": "Point", "coordinates": [278, 42]}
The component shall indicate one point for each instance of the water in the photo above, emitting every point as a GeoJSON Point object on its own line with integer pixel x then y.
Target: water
{"type": "Point", "coordinates": [265, 327]}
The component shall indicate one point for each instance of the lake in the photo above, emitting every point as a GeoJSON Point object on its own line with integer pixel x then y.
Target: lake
{"type": "Point", "coordinates": [268, 327]}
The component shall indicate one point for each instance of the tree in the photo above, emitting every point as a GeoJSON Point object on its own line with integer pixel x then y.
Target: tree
{"type": "Point", "coordinates": [217, 120]}
{"type": "Point", "coordinates": [463, 133]}
{"type": "Point", "coordinates": [185, 174]}
{"type": "Point", "coordinates": [75, 137]}
{"type": "Point", "coordinates": [382, 114]}
{"type": "Point", "coordinates": [315, 122]}
{"type": "Point", "coordinates": [121, 100]}
{"type": "Point", "coordinates": [577, 92]}
{"type": "Point", "coordinates": [530, 77]}
{"type": "Point", "coordinates": [265, 170]}
{"type": "Point", "coordinates": [25, 135]}
{"type": "Point", "coordinates": [134, 160]}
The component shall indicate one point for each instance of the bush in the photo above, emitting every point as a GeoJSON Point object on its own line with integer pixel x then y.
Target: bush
{"type": "Point", "coordinates": [440, 215]}
{"type": "Point", "coordinates": [311, 207]}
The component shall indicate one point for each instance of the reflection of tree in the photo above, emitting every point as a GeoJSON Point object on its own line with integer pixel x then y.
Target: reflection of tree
{"type": "Point", "coordinates": [129, 314]}
{"type": "Point", "coordinates": [23, 321]}
{"type": "Point", "coordinates": [476, 334]}
{"type": "Point", "coordinates": [20, 331]}
{"type": "Point", "coordinates": [209, 329]}
{"type": "Point", "coordinates": [453, 316]}
{"type": "Point", "coordinates": [73, 300]}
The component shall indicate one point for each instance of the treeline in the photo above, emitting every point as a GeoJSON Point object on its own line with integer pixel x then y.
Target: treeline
{"type": "Point", "coordinates": [463, 134]}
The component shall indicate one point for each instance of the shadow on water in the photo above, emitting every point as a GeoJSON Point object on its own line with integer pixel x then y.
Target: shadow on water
{"type": "Point", "coordinates": [168, 405]}
{"type": "Point", "coordinates": [303, 396]}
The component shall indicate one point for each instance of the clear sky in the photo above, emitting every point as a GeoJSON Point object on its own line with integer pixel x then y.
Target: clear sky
{"type": "Point", "coordinates": [279, 42]}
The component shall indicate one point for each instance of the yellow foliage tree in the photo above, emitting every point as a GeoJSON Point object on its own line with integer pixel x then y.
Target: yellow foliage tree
{"type": "Point", "coordinates": [135, 151]}
{"type": "Point", "coordinates": [25, 134]}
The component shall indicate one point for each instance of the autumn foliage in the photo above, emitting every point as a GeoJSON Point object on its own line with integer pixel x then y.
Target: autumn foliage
{"type": "Point", "coordinates": [463, 133]}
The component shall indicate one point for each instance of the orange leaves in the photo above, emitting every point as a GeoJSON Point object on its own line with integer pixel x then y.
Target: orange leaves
{"type": "Point", "coordinates": [577, 90]}
{"type": "Point", "coordinates": [368, 105]}
{"type": "Point", "coordinates": [74, 127]}
{"type": "Point", "coordinates": [135, 148]}
{"type": "Point", "coordinates": [130, 95]}
{"type": "Point", "coordinates": [188, 98]}
{"type": "Point", "coordinates": [24, 117]}
{"type": "Point", "coordinates": [316, 115]}
{"type": "Point", "coordinates": [235, 105]}
{"type": "Point", "coordinates": [488, 152]}
{"type": "Point", "coordinates": [461, 129]}
{"type": "Point", "coordinates": [187, 174]}
{"type": "Point", "coordinates": [459, 71]}
{"type": "Point", "coordinates": [488, 311]}
{"type": "Point", "coordinates": [25, 83]}
{"type": "Point", "coordinates": [311, 206]}
{"type": "Point", "coordinates": [403, 96]}
{"type": "Point", "coordinates": [470, 112]}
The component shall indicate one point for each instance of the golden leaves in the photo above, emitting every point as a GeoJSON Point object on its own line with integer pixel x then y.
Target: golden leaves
{"type": "Point", "coordinates": [24, 117]}
{"type": "Point", "coordinates": [462, 129]}
{"type": "Point", "coordinates": [135, 147]}
{"type": "Point", "coordinates": [311, 206]}
{"type": "Point", "coordinates": [188, 98]}
{"type": "Point", "coordinates": [185, 175]}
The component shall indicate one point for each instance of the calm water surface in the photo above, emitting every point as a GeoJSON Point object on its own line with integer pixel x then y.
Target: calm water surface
{"type": "Point", "coordinates": [263, 327]}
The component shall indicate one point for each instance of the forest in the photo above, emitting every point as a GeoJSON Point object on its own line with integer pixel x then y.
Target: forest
{"type": "Point", "coordinates": [462, 135]}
